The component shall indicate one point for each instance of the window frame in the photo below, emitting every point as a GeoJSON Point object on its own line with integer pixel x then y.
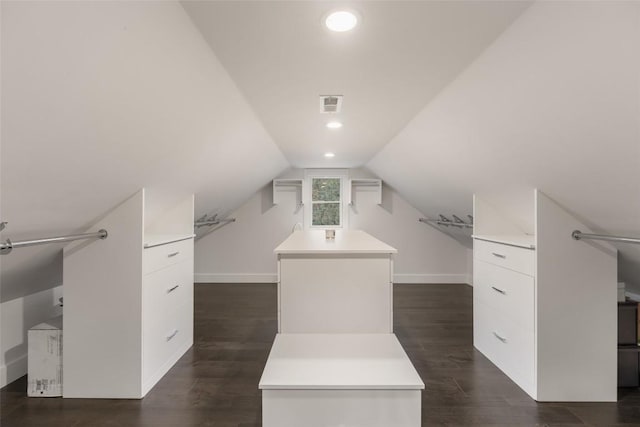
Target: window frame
{"type": "Point", "coordinates": [310, 175]}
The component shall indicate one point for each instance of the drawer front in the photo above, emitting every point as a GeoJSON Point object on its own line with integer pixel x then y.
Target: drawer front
{"type": "Point", "coordinates": [162, 256]}
{"type": "Point", "coordinates": [509, 292]}
{"type": "Point", "coordinates": [163, 338]}
{"type": "Point", "coordinates": [511, 257]}
{"type": "Point", "coordinates": [509, 346]}
{"type": "Point", "coordinates": [165, 289]}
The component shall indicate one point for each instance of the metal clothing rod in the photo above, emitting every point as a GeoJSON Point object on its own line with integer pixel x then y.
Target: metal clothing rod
{"type": "Point", "coordinates": [446, 223]}
{"type": "Point", "coordinates": [578, 235]}
{"type": "Point", "coordinates": [198, 224]}
{"type": "Point", "coordinates": [8, 246]}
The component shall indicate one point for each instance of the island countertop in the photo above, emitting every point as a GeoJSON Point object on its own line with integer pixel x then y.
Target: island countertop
{"type": "Point", "coordinates": [346, 242]}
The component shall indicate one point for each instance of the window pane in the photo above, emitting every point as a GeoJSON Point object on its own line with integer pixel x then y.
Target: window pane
{"type": "Point", "coordinates": [326, 214]}
{"type": "Point", "coordinates": [325, 189]}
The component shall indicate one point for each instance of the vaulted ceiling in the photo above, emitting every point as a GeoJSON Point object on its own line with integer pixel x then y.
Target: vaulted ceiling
{"type": "Point", "coordinates": [402, 53]}
{"type": "Point", "coordinates": [442, 99]}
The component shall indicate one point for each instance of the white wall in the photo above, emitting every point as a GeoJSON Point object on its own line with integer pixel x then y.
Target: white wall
{"type": "Point", "coordinates": [243, 251]}
{"type": "Point", "coordinates": [98, 100]}
{"type": "Point", "coordinates": [553, 103]}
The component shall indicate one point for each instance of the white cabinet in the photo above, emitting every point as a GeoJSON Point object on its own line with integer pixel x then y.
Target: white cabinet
{"type": "Point", "coordinates": [128, 314]}
{"type": "Point", "coordinates": [356, 380]}
{"type": "Point", "coordinates": [503, 303]}
{"type": "Point", "coordinates": [544, 304]}
{"type": "Point", "coordinates": [167, 307]}
{"type": "Point", "coordinates": [336, 286]}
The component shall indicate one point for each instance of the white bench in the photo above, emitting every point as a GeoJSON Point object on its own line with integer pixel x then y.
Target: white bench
{"type": "Point", "coordinates": [336, 380]}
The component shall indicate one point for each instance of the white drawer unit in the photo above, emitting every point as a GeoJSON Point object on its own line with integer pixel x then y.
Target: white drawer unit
{"type": "Point", "coordinates": [503, 308]}
{"type": "Point", "coordinates": [128, 314]}
{"type": "Point", "coordinates": [508, 256]}
{"type": "Point", "coordinates": [167, 310]}
{"type": "Point", "coordinates": [163, 255]}
{"type": "Point", "coordinates": [506, 291]}
{"type": "Point", "coordinates": [164, 342]}
{"type": "Point", "coordinates": [165, 289]}
{"type": "Point", "coordinates": [509, 345]}
{"type": "Point", "coordinates": [544, 304]}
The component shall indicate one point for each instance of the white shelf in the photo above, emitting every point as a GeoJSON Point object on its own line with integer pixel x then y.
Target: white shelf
{"type": "Point", "coordinates": [522, 241]}
{"type": "Point", "coordinates": [339, 361]}
{"type": "Point", "coordinates": [375, 183]}
{"type": "Point", "coordinates": [287, 184]}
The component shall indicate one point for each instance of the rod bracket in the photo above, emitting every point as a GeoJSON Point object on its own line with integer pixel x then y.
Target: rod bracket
{"type": "Point", "coordinates": [3, 225]}
{"type": "Point", "coordinates": [6, 247]}
{"type": "Point", "coordinates": [103, 233]}
{"type": "Point", "coordinates": [576, 234]}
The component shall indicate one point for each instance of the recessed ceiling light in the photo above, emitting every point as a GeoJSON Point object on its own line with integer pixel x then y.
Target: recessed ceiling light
{"type": "Point", "coordinates": [329, 155]}
{"type": "Point", "coordinates": [341, 20]}
{"type": "Point", "coordinates": [334, 125]}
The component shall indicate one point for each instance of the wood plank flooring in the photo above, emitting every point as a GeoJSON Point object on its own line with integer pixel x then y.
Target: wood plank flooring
{"type": "Point", "coordinates": [215, 383]}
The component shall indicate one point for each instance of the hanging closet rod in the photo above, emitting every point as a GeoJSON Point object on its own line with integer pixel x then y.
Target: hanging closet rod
{"type": "Point", "coordinates": [446, 223]}
{"type": "Point", "coordinates": [8, 246]}
{"type": "Point", "coordinates": [198, 224]}
{"type": "Point", "coordinates": [366, 184]}
{"type": "Point", "coordinates": [578, 235]}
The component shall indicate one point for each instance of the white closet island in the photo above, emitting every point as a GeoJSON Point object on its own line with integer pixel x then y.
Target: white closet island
{"type": "Point", "coordinates": [356, 380]}
{"type": "Point", "coordinates": [336, 360]}
{"type": "Point", "coordinates": [335, 286]}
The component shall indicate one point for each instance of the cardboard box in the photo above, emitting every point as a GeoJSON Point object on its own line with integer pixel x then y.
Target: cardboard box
{"type": "Point", "coordinates": [44, 373]}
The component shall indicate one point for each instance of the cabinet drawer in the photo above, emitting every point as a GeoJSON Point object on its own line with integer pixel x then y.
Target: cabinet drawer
{"type": "Point", "coordinates": [158, 257]}
{"type": "Point", "coordinates": [511, 257]}
{"type": "Point", "coordinates": [509, 346]}
{"type": "Point", "coordinates": [509, 292]}
{"type": "Point", "coordinates": [165, 337]}
{"type": "Point", "coordinates": [165, 289]}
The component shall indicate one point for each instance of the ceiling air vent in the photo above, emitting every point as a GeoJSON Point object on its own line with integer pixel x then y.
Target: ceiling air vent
{"type": "Point", "coordinates": [330, 103]}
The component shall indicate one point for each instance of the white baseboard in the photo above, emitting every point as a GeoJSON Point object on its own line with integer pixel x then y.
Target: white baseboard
{"type": "Point", "coordinates": [430, 278]}
{"type": "Point", "coordinates": [13, 370]}
{"type": "Point", "coordinates": [235, 278]}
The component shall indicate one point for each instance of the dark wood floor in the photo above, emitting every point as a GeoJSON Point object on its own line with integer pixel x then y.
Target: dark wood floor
{"type": "Point", "coordinates": [215, 383]}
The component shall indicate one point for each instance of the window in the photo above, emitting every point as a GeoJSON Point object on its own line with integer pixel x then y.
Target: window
{"type": "Point", "coordinates": [323, 194]}
{"type": "Point", "coordinates": [325, 202]}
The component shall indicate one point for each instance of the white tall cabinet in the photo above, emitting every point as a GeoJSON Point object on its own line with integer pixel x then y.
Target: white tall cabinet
{"type": "Point", "coordinates": [545, 309]}
{"type": "Point", "coordinates": [128, 312]}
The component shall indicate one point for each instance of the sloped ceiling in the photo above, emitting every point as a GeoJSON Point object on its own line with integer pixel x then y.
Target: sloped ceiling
{"type": "Point", "coordinates": [554, 103]}
{"type": "Point", "coordinates": [400, 55]}
{"type": "Point", "coordinates": [100, 99]}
